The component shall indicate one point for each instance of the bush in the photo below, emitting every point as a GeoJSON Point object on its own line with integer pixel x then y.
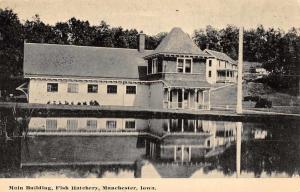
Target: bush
{"type": "Point", "coordinates": [263, 103]}
{"type": "Point", "coordinates": [252, 98]}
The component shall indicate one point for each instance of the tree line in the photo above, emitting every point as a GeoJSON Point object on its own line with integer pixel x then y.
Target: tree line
{"type": "Point", "coordinates": [278, 51]}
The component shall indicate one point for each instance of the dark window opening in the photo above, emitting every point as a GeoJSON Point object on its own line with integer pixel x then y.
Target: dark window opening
{"type": "Point", "coordinates": [92, 88]}
{"type": "Point", "coordinates": [52, 87]}
{"type": "Point", "coordinates": [111, 124]}
{"type": "Point", "coordinates": [130, 124]}
{"type": "Point", "coordinates": [112, 89]}
{"type": "Point", "coordinates": [130, 89]}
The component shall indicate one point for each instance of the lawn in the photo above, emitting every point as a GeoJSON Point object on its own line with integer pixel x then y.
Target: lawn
{"type": "Point", "coordinates": [281, 102]}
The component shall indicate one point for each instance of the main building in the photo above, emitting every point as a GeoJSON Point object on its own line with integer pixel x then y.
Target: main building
{"type": "Point", "coordinates": [174, 75]}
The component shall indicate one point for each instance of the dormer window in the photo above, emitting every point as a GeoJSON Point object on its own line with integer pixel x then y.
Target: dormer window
{"type": "Point", "coordinates": [188, 65]}
{"type": "Point", "coordinates": [180, 63]}
{"type": "Point", "coordinates": [184, 65]}
{"type": "Point", "coordinates": [154, 65]}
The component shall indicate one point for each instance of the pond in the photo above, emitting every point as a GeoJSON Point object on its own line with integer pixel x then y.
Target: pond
{"type": "Point", "coordinates": [104, 146]}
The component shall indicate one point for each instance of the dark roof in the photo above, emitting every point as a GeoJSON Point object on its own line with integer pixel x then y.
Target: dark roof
{"type": "Point", "coordinates": [178, 42]}
{"type": "Point", "coordinates": [220, 55]}
{"type": "Point", "coordinates": [187, 84]}
{"type": "Point", "coordinates": [83, 61]}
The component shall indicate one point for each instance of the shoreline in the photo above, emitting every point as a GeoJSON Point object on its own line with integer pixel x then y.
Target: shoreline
{"type": "Point", "coordinates": [46, 110]}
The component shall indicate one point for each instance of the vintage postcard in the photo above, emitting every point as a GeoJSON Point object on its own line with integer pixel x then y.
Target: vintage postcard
{"type": "Point", "coordinates": [168, 90]}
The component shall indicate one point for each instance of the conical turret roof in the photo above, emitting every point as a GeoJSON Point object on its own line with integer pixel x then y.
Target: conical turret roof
{"type": "Point", "coordinates": [178, 42]}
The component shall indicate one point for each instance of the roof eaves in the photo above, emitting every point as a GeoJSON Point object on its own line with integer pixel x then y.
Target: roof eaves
{"type": "Point", "coordinates": [203, 55]}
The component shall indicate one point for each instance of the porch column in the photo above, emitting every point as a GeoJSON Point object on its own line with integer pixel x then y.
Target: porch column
{"type": "Point", "coordinates": [175, 152]}
{"type": "Point", "coordinates": [182, 153]}
{"type": "Point", "coordinates": [182, 128]}
{"type": "Point", "coordinates": [202, 98]}
{"type": "Point", "coordinates": [182, 98]}
{"type": "Point", "coordinates": [169, 125]}
{"type": "Point", "coordinates": [189, 99]}
{"type": "Point", "coordinates": [169, 97]}
{"type": "Point", "coordinates": [177, 97]}
{"type": "Point", "coordinates": [195, 98]}
{"type": "Point", "coordinates": [190, 153]}
{"type": "Point", "coordinates": [195, 126]}
{"type": "Point", "coordinates": [209, 99]}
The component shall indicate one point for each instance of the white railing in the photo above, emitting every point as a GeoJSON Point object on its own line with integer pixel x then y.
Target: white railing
{"type": "Point", "coordinates": [203, 106]}
{"type": "Point", "coordinates": [225, 79]}
{"type": "Point", "coordinates": [184, 105]}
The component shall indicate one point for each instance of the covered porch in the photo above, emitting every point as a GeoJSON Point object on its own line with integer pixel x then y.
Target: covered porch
{"type": "Point", "coordinates": [189, 96]}
{"type": "Point", "coordinates": [226, 76]}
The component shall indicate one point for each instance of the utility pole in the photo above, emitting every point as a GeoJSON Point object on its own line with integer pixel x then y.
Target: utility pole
{"type": "Point", "coordinates": [239, 105]}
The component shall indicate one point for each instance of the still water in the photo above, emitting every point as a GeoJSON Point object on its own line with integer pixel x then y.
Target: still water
{"type": "Point", "coordinates": [128, 147]}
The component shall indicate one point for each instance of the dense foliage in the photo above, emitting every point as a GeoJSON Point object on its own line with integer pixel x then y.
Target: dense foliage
{"type": "Point", "coordinates": [278, 51]}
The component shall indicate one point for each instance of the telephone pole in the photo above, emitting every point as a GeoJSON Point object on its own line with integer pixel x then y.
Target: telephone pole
{"type": "Point", "coordinates": [239, 105]}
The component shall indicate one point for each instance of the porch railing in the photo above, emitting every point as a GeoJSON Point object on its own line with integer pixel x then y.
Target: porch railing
{"type": "Point", "coordinates": [182, 105]}
{"type": "Point", "coordinates": [225, 79]}
{"type": "Point", "coordinates": [203, 106]}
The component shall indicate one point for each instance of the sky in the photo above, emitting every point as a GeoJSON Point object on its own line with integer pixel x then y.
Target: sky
{"type": "Point", "coordinates": [154, 16]}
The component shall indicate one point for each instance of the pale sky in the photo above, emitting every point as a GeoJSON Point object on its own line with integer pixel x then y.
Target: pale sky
{"type": "Point", "coordinates": [154, 16]}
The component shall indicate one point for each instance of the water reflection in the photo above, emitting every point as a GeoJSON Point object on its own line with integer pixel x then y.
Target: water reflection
{"type": "Point", "coordinates": [154, 147]}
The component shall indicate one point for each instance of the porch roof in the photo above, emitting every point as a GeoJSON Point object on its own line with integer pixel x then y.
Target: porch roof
{"type": "Point", "coordinates": [187, 84]}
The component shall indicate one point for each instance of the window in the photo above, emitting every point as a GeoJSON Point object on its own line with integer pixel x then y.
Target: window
{"type": "Point", "coordinates": [130, 89]}
{"type": "Point", "coordinates": [184, 65]}
{"type": "Point", "coordinates": [52, 87]}
{"type": "Point", "coordinates": [208, 143]}
{"type": "Point", "coordinates": [51, 124]}
{"type": "Point", "coordinates": [180, 65]}
{"type": "Point", "coordinates": [92, 124]}
{"type": "Point", "coordinates": [225, 63]}
{"type": "Point", "coordinates": [154, 65]}
{"type": "Point", "coordinates": [188, 65]}
{"type": "Point", "coordinates": [209, 73]}
{"type": "Point", "coordinates": [111, 124]}
{"type": "Point", "coordinates": [130, 124]}
{"type": "Point", "coordinates": [209, 63]}
{"type": "Point", "coordinates": [72, 124]}
{"type": "Point", "coordinates": [219, 63]}
{"type": "Point", "coordinates": [72, 88]}
{"type": "Point", "coordinates": [92, 88]}
{"type": "Point", "coordinates": [112, 89]}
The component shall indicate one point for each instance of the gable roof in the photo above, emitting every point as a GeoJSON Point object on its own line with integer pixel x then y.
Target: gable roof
{"type": "Point", "coordinates": [178, 42]}
{"type": "Point", "coordinates": [220, 56]}
{"type": "Point", "coordinates": [83, 61]}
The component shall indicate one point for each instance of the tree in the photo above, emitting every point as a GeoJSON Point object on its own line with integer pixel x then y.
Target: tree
{"type": "Point", "coordinates": [103, 35]}
{"type": "Point", "coordinates": [229, 41]}
{"type": "Point", "coordinates": [81, 33]}
{"type": "Point", "coordinates": [11, 44]}
{"type": "Point", "coordinates": [36, 31]}
{"type": "Point", "coordinates": [119, 37]}
{"type": "Point", "coordinates": [208, 38]}
{"type": "Point", "coordinates": [153, 41]}
{"type": "Point", "coordinates": [62, 33]}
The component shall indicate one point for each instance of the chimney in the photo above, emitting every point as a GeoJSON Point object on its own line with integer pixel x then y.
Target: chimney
{"type": "Point", "coordinates": [222, 50]}
{"type": "Point", "coordinates": [141, 42]}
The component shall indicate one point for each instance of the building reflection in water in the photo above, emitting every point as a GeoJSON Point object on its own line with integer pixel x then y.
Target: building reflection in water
{"type": "Point", "coordinates": [132, 147]}
{"type": "Point", "coordinates": [185, 140]}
